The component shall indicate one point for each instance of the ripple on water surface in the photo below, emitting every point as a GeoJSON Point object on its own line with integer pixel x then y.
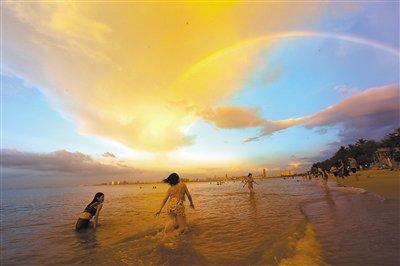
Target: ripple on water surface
{"type": "Point", "coordinates": [286, 222]}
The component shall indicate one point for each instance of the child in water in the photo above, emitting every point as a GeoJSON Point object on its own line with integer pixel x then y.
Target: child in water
{"type": "Point", "coordinates": [175, 208]}
{"type": "Point", "coordinates": [92, 210]}
{"type": "Point", "coordinates": [249, 181]}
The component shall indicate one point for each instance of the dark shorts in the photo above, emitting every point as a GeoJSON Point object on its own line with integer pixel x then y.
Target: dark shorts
{"type": "Point", "coordinates": [82, 224]}
{"type": "Point", "coordinates": [353, 170]}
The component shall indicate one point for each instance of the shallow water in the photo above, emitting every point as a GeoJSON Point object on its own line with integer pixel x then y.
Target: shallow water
{"type": "Point", "coordinates": [286, 222]}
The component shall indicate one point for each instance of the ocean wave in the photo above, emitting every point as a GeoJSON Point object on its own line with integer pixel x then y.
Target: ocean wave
{"type": "Point", "coordinates": [349, 189]}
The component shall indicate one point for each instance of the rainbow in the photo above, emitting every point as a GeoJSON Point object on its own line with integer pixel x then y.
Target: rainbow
{"type": "Point", "coordinates": [265, 39]}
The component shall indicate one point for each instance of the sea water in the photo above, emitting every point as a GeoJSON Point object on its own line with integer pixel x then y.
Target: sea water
{"type": "Point", "coordinates": [286, 222]}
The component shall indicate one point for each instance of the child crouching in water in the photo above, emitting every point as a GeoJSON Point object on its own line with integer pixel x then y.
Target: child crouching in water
{"type": "Point", "coordinates": [175, 208]}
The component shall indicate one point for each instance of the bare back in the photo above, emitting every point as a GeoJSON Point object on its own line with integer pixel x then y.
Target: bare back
{"type": "Point", "coordinates": [178, 191]}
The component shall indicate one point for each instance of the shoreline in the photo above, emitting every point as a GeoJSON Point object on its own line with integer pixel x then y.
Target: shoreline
{"type": "Point", "coordinates": [384, 183]}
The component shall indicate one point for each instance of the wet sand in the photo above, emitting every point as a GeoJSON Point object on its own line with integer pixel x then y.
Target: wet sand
{"type": "Point", "coordinates": [385, 183]}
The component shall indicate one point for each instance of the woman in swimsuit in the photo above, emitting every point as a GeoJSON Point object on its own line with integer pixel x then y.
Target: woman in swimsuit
{"type": "Point", "coordinates": [91, 210]}
{"type": "Point", "coordinates": [249, 181]}
{"type": "Point", "coordinates": [175, 208]}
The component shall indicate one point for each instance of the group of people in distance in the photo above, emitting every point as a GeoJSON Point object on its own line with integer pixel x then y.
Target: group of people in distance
{"type": "Point", "coordinates": [339, 169]}
{"type": "Point", "coordinates": [174, 199]}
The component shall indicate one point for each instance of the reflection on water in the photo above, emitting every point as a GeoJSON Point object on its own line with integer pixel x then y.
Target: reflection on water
{"type": "Point", "coordinates": [286, 222]}
{"type": "Point", "coordinates": [307, 250]}
{"type": "Point", "coordinates": [87, 239]}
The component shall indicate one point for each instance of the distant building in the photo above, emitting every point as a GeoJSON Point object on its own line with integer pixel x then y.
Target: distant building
{"type": "Point", "coordinates": [287, 173]}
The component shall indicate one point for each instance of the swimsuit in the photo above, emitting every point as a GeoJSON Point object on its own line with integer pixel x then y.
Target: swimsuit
{"type": "Point", "coordinates": [88, 213]}
{"type": "Point", "coordinates": [176, 207]}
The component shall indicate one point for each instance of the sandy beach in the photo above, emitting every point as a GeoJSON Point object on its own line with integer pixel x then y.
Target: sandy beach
{"type": "Point", "coordinates": [385, 183]}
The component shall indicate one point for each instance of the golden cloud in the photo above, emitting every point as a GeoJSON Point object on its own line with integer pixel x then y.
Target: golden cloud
{"type": "Point", "coordinates": [233, 117]}
{"type": "Point", "coordinates": [139, 73]}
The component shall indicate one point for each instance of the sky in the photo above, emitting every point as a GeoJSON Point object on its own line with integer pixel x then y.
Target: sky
{"type": "Point", "coordinates": [96, 91]}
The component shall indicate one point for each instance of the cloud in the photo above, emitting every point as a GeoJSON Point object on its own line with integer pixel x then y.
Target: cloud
{"type": "Point", "coordinates": [233, 117]}
{"type": "Point", "coordinates": [321, 155]}
{"type": "Point", "coordinates": [109, 154]}
{"type": "Point", "coordinates": [62, 162]}
{"type": "Point", "coordinates": [269, 127]}
{"type": "Point", "coordinates": [243, 117]}
{"type": "Point", "coordinates": [294, 164]}
{"type": "Point", "coordinates": [346, 91]}
{"type": "Point", "coordinates": [371, 113]}
{"type": "Point", "coordinates": [138, 73]}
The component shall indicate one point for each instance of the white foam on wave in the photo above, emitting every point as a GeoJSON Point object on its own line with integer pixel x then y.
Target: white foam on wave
{"type": "Point", "coordinates": [355, 190]}
{"type": "Point", "coordinates": [349, 189]}
{"type": "Point", "coordinates": [334, 187]}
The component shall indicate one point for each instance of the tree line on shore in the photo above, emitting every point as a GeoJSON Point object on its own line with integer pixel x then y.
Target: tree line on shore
{"type": "Point", "coordinates": [364, 151]}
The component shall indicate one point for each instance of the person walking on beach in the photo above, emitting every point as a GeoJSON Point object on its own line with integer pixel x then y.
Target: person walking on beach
{"type": "Point", "coordinates": [318, 172]}
{"type": "Point", "coordinates": [353, 166]}
{"type": "Point", "coordinates": [92, 210]}
{"type": "Point", "coordinates": [175, 208]}
{"type": "Point", "coordinates": [346, 167]}
{"type": "Point", "coordinates": [249, 181]}
{"type": "Point", "coordinates": [335, 171]}
{"type": "Point", "coordinates": [341, 168]}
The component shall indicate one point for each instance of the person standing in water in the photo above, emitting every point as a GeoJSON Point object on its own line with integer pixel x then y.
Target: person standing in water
{"type": "Point", "coordinates": [92, 210]}
{"type": "Point", "coordinates": [175, 208]}
{"type": "Point", "coordinates": [249, 181]}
